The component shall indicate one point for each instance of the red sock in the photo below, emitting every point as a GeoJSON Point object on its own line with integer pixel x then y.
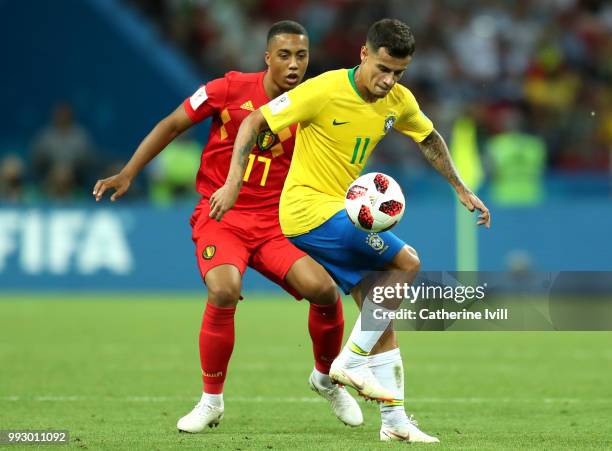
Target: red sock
{"type": "Point", "coordinates": [216, 346]}
{"type": "Point", "coordinates": [326, 326]}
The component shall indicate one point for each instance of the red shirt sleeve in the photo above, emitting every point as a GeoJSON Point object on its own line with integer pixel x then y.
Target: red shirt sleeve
{"type": "Point", "coordinates": [207, 100]}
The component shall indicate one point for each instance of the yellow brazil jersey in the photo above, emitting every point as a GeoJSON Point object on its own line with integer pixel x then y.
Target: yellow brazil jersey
{"type": "Point", "coordinates": [336, 135]}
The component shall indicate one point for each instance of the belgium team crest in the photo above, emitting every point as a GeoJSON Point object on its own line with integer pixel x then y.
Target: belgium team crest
{"type": "Point", "coordinates": [209, 252]}
{"type": "Point", "coordinates": [265, 140]}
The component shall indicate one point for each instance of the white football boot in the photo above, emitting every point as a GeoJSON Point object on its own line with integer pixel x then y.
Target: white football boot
{"type": "Point", "coordinates": [342, 403]}
{"type": "Point", "coordinates": [361, 379]}
{"type": "Point", "coordinates": [202, 415]}
{"type": "Point", "coordinates": [406, 430]}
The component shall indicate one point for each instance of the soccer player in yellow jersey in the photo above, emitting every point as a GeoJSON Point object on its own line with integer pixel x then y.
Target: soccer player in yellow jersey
{"type": "Point", "coordinates": [342, 115]}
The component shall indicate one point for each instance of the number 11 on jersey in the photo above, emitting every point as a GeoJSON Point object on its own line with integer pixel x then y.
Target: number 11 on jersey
{"type": "Point", "coordinates": [358, 147]}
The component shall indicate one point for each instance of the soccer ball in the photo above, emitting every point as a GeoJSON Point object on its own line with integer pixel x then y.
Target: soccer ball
{"type": "Point", "coordinates": [374, 202]}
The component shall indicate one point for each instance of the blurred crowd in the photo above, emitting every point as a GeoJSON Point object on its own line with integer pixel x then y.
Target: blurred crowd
{"type": "Point", "coordinates": [534, 77]}
{"type": "Point", "coordinates": [61, 158]}
{"type": "Point", "coordinates": [543, 66]}
{"type": "Point", "coordinates": [63, 164]}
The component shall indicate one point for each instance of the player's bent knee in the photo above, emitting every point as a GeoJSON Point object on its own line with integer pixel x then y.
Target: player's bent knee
{"type": "Point", "coordinates": [224, 283]}
{"type": "Point", "coordinates": [312, 282]}
{"type": "Point", "coordinates": [414, 264]}
{"type": "Point", "coordinates": [319, 290]}
{"type": "Point", "coordinates": [224, 295]}
{"type": "Point", "coordinates": [407, 260]}
{"type": "Point", "coordinates": [326, 292]}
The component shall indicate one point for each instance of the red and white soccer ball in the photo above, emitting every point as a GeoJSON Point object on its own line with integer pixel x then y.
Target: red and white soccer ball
{"type": "Point", "coordinates": [374, 202]}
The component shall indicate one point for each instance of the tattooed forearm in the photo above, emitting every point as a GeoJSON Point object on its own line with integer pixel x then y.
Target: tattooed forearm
{"type": "Point", "coordinates": [436, 152]}
{"type": "Point", "coordinates": [243, 145]}
{"type": "Point", "coordinates": [242, 155]}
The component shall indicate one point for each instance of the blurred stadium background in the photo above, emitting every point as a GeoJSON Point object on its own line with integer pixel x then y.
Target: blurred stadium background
{"type": "Point", "coordinates": [522, 91]}
{"type": "Point", "coordinates": [526, 86]}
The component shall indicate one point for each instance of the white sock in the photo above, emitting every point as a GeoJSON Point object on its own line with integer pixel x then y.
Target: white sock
{"type": "Point", "coordinates": [353, 354]}
{"type": "Point", "coordinates": [213, 400]}
{"type": "Point", "coordinates": [322, 379]}
{"type": "Point", "coordinates": [361, 342]}
{"type": "Point", "coordinates": [389, 370]}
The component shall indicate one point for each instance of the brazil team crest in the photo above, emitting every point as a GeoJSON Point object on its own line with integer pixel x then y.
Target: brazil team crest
{"type": "Point", "coordinates": [389, 123]}
{"type": "Point", "coordinates": [375, 241]}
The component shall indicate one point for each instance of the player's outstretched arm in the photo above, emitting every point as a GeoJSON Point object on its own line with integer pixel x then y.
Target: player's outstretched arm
{"type": "Point", "coordinates": [435, 150]}
{"type": "Point", "coordinates": [162, 134]}
{"type": "Point", "coordinates": [225, 197]}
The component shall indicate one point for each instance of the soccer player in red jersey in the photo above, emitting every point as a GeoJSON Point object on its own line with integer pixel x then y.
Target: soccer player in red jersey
{"type": "Point", "coordinates": [250, 234]}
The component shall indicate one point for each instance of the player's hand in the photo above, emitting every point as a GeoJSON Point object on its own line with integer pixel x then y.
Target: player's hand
{"type": "Point", "coordinates": [472, 202]}
{"type": "Point", "coordinates": [222, 200]}
{"type": "Point", "coordinates": [119, 182]}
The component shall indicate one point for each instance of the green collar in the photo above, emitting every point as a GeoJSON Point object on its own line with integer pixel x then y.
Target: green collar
{"type": "Point", "coordinates": [351, 76]}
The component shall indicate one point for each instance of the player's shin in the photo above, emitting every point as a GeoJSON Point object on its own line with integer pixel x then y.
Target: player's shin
{"type": "Point", "coordinates": [366, 332]}
{"type": "Point", "coordinates": [216, 346]}
{"type": "Point", "coordinates": [326, 327]}
{"type": "Point", "coordinates": [351, 367]}
{"type": "Point", "coordinates": [389, 370]}
{"type": "Point", "coordinates": [396, 425]}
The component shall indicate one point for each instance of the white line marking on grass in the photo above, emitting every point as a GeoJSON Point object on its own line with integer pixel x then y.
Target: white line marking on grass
{"type": "Point", "coordinates": [274, 399]}
{"type": "Point", "coordinates": [291, 399]}
{"type": "Point", "coordinates": [60, 398]}
{"type": "Point", "coordinates": [74, 398]}
{"type": "Point", "coordinates": [499, 400]}
{"type": "Point", "coordinates": [149, 398]}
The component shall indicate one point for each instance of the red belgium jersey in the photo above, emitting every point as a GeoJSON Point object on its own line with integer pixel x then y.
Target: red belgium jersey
{"type": "Point", "coordinates": [229, 100]}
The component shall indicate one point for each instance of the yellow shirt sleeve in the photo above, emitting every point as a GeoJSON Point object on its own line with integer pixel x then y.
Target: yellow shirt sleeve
{"type": "Point", "coordinates": [413, 122]}
{"type": "Point", "coordinates": [298, 105]}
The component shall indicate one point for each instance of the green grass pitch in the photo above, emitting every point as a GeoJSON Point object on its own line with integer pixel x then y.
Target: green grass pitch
{"type": "Point", "coordinates": [118, 370]}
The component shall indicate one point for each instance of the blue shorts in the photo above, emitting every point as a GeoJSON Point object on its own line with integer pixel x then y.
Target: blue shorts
{"type": "Point", "coordinates": [346, 252]}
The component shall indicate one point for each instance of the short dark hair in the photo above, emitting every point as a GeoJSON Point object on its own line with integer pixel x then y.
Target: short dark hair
{"type": "Point", "coordinates": [392, 34]}
{"type": "Point", "coordinates": [286, 27]}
